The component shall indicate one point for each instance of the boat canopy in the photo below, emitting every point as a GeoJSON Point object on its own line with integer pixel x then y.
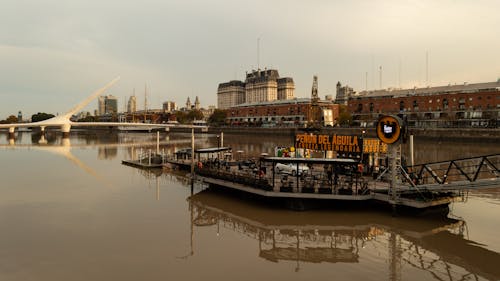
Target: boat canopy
{"type": "Point", "coordinates": [212, 149]}
{"type": "Point", "coordinates": [309, 160]}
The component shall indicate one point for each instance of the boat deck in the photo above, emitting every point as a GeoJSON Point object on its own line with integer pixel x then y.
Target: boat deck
{"type": "Point", "coordinates": [315, 186]}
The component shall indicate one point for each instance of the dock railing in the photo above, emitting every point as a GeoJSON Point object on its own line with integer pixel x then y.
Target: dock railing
{"type": "Point", "coordinates": [465, 173]}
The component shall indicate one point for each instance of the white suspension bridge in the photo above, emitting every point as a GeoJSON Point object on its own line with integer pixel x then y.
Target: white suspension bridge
{"type": "Point", "coordinates": [64, 123]}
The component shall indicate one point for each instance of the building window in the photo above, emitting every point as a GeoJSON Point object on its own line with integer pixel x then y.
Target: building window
{"type": "Point", "coordinates": [445, 104]}
{"type": "Point", "coordinates": [401, 105]}
{"type": "Point", "coordinates": [461, 103]}
{"type": "Point", "coordinates": [360, 107]}
{"type": "Point", "coordinates": [415, 105]}
{"type": "Point", "coordinates": [371, 106]}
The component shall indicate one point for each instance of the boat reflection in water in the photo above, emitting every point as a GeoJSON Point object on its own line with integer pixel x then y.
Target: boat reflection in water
{"type": "Point", "coordinates": [435, 248]}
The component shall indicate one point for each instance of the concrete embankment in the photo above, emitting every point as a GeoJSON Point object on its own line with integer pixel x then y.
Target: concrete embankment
{"type": "Point", "coordinates": [462, 134]}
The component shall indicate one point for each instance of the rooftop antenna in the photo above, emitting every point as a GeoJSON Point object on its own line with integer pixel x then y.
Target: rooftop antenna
{"type": "Point", "coordinates": [366, 81]}
{"type": "Point", "coordinates": [427, 68]}
{"type": "Point", "coordinates": [145, 97]}
{"type": "Point", "coordinates": [373, 72]}
{"type": "Point", "coordinates": [258, 53]}
{"type": "Point", "coordinates": [380, 78]}
{"type": "Point", "coordinates": [399, 73]}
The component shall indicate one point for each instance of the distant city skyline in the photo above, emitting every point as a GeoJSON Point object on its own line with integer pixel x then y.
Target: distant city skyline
{"type": "Point", "coordinates": [54, 54]}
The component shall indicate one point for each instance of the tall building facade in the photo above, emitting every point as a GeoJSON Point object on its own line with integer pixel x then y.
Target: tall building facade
{"type": "Point", "coordinates": [286, 88]}
{"type": "Point", "coordinates": [230, 94]}
{"type": "Point", "coordinates": [259, 86]}
{"type": "Point", "coordinates": [132, 104]}
{"type": "Point", "coordinates": [107, 105]}
{"type": "Point", "coordinates": [111, 104]}
{"type": "Point", "coordinates": [100, 105]}
{"type": "Point", "coordinates": [343, 94]}
{"type": "Point", "coordinates": [169, 106]}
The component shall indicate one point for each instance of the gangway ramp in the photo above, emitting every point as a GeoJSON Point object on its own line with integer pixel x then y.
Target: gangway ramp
{"type": "Point", "coordinates": [460, 174]}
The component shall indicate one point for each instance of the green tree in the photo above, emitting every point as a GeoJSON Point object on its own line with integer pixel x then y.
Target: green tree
{"type": "Point", "coordinates": [11, 119]}
{"type": "Point", "coordinates": [181, 117]}
{"type": "Point", "coordinates": [218, 117]}
{"type": "Point", "coordinates": [345, 117]}
{"type": "Point", "coordinates": [40, 116]}
{"type": "Point", "coordinates": [194, 115]}
{"type": "Point", "coordinates": [88, 118]}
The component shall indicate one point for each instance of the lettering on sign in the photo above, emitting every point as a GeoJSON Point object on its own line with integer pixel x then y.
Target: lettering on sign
{"type": "Point", "coordinates": [329, 143]}
{"type": "Point", "coordinates": [340, 143]}
{"type": "Point", "coordinates": [374, 146]}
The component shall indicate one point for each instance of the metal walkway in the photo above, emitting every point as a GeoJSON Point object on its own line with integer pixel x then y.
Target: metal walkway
{"type": "Point", "coordinates": [460, 174]}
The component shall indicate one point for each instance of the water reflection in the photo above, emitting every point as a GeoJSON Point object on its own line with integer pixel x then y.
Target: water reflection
{"type": "Point", "coordinates": [434, 247]}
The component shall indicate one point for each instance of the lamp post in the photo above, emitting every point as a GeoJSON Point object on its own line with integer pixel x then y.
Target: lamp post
{"type": "Point", "coordinates": [362, 149]}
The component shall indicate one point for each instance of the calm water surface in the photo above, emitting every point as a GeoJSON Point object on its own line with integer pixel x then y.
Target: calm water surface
{"type": "Point", "coordinates": [70, 211]}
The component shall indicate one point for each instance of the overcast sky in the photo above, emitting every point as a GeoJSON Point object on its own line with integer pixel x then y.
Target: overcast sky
{"type": "Point", "coordinates": [55, 53]}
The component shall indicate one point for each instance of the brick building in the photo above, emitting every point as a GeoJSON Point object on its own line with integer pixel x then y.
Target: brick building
{"type": "Point", "coordinates": [453, 105]}
{"type": "Point", "coordinates": [280, 113]}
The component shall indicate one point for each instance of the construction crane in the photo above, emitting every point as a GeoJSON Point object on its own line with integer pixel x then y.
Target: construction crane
{"type": "Point", "coordinates": [314, 111]}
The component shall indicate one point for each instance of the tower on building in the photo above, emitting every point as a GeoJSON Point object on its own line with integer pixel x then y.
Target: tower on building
{"type": "Point", "coordinates": [197, 103]}
{"type": "Point", "coordinates": [132, 104]}
{"type": "Point", "coordinates": [188, 104]}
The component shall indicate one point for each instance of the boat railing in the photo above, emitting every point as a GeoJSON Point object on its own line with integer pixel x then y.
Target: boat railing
{"type": "Point", "coordinates": [314, 182]}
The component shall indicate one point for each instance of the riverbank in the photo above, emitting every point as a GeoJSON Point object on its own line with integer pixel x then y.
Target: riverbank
{"type": "Point", "coordinates": [462, 134]}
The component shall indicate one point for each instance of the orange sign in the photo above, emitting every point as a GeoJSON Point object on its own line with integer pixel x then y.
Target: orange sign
{"type": "Point", "coordinates": [329, 143]}
{"type": "Point", "coordinates": [389, 129]}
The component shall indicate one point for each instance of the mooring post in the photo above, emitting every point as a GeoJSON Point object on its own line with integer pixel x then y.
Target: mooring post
{"type": "Point", "coordinates": [12, 134]}
{"type": "Point", "coordinates": [192, 158]}
{"type": "Point", "coordinates": [157, 142]}
{"type": "Point", "coordinates": [411, 151]}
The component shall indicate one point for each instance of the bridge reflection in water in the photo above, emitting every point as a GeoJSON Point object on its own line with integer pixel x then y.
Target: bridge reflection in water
{"type": "Point", "coordinates": [436, 247]}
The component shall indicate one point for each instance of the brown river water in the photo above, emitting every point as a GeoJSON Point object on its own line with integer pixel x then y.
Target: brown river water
{"type": "Point", "coordinates": [69, 210]}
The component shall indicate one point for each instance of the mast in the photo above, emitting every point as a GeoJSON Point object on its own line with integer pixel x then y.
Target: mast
{"type": "Point", "coordinates": [145, 101]}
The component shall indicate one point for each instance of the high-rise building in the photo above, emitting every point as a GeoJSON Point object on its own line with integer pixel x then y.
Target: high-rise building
{"type": "Point", "coordinates": [169, 106]}
{"type": "Point", "coordinates": [100, 105]}
{"type": "Point", "coordinates": [111, 104]}
{"type": "Point", "coordinates": [343, 94]}
{"type": "Point", "coordinates": [286, 88]}
{"type": "Point", "coordinates": [259, 86]}
{"type": "Point", "coordinates": [132, 104]}
{"type": "Point", "coordinates": [230, 94]}
{"type": "Point", "coordinates": [107, 105]}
